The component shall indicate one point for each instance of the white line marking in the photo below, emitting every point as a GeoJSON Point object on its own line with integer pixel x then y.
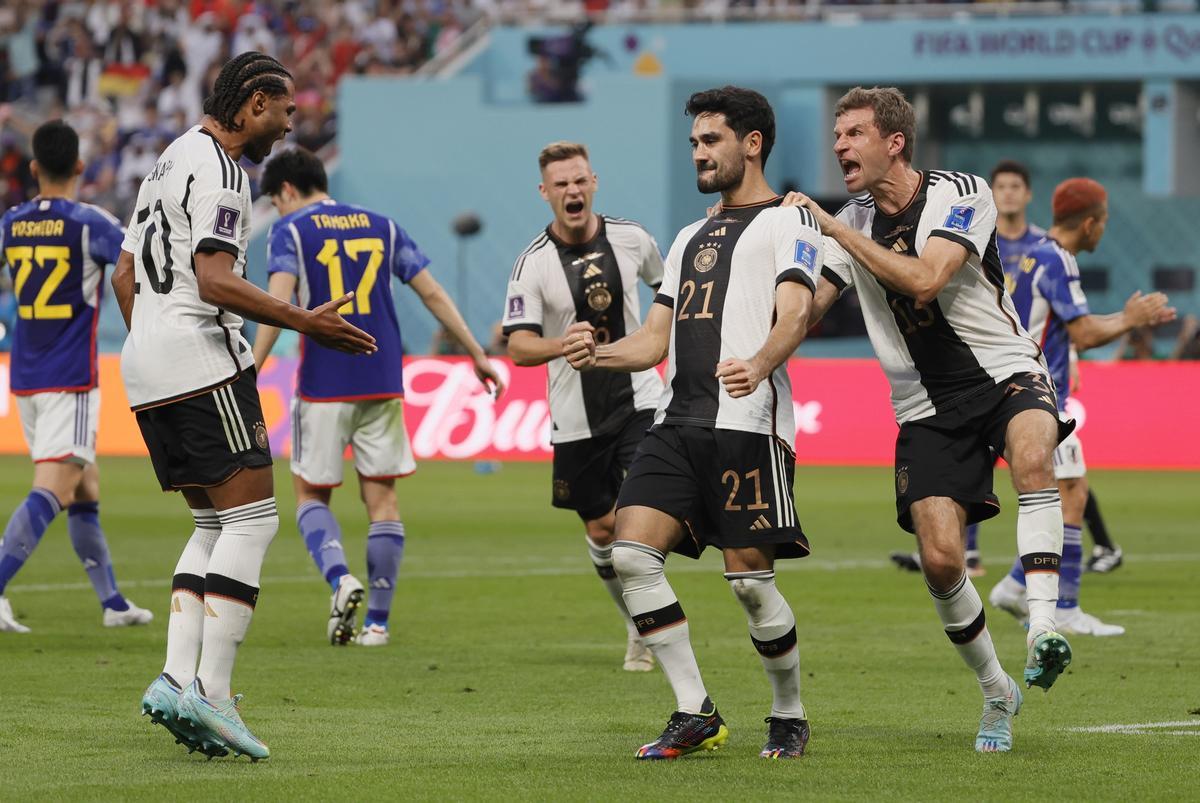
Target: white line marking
{"type": "Point", "coordinates": [1144, 728]}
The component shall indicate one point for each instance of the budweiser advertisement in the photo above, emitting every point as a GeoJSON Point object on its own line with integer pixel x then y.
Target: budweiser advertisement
{"type": "Point", "coordinates": [1131, 414]}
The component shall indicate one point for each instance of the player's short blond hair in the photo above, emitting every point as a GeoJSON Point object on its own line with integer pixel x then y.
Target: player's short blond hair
{"type": "Point", "coordinates": [893, 113]}
{"type": "Point", "coordinates": [561, 151]}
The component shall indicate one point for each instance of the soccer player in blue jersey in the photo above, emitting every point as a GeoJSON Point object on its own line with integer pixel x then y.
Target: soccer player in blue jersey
{"type": "Point", "coordinates": [57, 250]}
{"type": "Point", "coordinates": [1046, 291]}
{"type": "Point", "coordinates": [319, 249]}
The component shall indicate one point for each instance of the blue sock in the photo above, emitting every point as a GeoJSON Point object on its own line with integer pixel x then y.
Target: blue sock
{"type": "Point", "coordinates": [25, 528]}
{"type": "Point", "coordinates": [323, 537]}
{"type": "Point", "coordinates": [83, 525]}
{"type": "Point", "coordinates": [1071, 567]}
{"type": "Point", "coordinates": [385, 551]}
{"type": "Point", "coordinates": [1017, 572]}
{"type": "Point", "coordinates": [973, 538]}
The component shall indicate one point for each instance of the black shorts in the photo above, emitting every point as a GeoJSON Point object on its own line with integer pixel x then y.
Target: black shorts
{"type": "Point", "coordinates": [729, 488]}
{"type": "Point", "coordinates": [588, 473]}
{"type": "Point", "coordinates": [952, 453]}
{"type": "Point", "coordinates": [203, 440]}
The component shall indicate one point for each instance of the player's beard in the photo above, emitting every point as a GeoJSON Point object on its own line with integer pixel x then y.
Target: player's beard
{"type": "Point", "coordinates": [259, 149]}
{"type": "Point", "coordinates": [723, 178]}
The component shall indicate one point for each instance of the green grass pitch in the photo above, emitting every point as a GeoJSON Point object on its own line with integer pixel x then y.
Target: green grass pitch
{"type": "Point", "coordinates": [503, 678]}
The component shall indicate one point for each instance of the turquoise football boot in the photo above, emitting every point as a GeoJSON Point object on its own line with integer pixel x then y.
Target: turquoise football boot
{"type": "Point", "coordinates": [995, 726]}
{"type": "Point", "coordinates": [1049, 656]}
{"type": "Point", "coordinates": [219, 726]}
{"type": "Point", "coordinates": [161, 704]}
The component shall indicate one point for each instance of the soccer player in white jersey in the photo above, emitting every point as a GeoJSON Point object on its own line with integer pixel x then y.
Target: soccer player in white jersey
{"type": "Point", "coordinates": [920, 247]}
{"type": "Point", "coordinates": [717, 467]}
{"type": "Point", "coordinates": [316, 248]}
{"type": "Point", "coordinates": [57, 249]}
{"type": "Point", "coordinates": [188, 372]}
{"type": "Point", "coordinates": [586, 267]}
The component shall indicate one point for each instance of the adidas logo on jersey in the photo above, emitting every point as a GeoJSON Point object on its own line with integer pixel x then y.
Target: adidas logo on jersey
{"type": "Point", "coordinates": [761, 523]}
{"type": "Point", "coordinates": [592, 270]}
{"type": "Point", "coordinates": [717, 232]}
{"type": "Point", "coordinates": [900, 246]}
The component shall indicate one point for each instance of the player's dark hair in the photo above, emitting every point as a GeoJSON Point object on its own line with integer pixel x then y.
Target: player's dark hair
{"type": "Point", "coordinates": [56, 149]}
{"type": "Point", "coordinates": [893, 113]}
{"type": "Point", "coordinates": [299, 167]}
{"type": "Point", "coordinates": [238, 80]}
{"type": "Point", "coordinates": [745, 110]}
{"type": "Point", "coordinates": [1013, 167]}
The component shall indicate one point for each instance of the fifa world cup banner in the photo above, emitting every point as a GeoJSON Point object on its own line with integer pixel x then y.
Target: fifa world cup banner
{"type": "Point", "coordinates": [1130, 414]}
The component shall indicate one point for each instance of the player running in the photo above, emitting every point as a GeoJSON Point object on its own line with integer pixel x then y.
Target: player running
{"type": "Point", "coordinates": [586, 267]}
{"type": "Point", "coordinates": [189, 376]}
{"type": "Point", "coordinates": [1046, 290]}
{"type": "Point", "coordinates": [966, 380]}
{"type": "Point", "coordinates": [718, 465]}
{"type": "Point", "coordinates": [57, 249]}
{"type": "Point", "coordinates": [318, 248]}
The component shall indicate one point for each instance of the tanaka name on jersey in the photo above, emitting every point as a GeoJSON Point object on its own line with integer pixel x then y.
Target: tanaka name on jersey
{"type": "Point", "coordinates": [356, 221]}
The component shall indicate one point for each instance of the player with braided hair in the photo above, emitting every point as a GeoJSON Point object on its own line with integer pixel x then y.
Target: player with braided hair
{"type": "Point", "coordinates": [189, 374]}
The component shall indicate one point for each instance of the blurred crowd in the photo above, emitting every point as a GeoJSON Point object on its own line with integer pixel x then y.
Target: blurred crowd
{"type": "Point", "coordinates": [130, 75]}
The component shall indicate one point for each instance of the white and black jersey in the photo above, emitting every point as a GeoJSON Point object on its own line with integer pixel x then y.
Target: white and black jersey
{"type": "Point", "coordinates": [720, 281]}
{"type": "Point", "coordinates": [968, 338]}
{"type": "Point", "coordinates": [553, 285]}
{"type": "Point", "coordinates": [195, 199]}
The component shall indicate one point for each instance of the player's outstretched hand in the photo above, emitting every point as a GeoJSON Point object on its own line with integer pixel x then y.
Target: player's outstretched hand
{"type": "Point", "coordinates": [487, 374]}
{"type": "Point", "coordinates": [326, 326]}
{"type": "Point", "coordinates": [825, 220]}
{"type": "Point", "coordinates": [740, 377]}
{"type": "Point", "coordinates": [1148, 310]}
{"type": "Point", "coordinates": [579, 346]}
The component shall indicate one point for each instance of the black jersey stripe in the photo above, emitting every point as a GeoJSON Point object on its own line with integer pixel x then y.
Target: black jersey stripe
{"type": "Point", "coordinates": [221, 160]}
{"type": "Point", "coordinates": [536, 245]}
{"type": "Point", "coordinates": [187, 194]}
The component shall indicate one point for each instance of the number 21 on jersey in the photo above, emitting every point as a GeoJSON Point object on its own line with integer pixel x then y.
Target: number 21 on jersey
{"type": "Point", "coordinates": [330, 257]}
{"type": "Point", "coordinates": [25, 257]}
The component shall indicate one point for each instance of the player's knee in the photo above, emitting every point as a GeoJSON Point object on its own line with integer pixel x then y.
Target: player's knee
{"type": "Point", "coordinates": [636, 564]}
{"type": "Point", "coordinates": [1033, 467]}
{"type": "Point", "coordinates": [942, 567]}
{"type": "Point", "coordinates": [601, 531]}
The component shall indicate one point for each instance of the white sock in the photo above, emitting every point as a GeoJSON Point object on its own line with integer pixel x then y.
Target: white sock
{"type": "Point", "coordinates": [185, 626]}
{"type": "Point", "coordinates": [773, 631]}
{"type": "Point", "coordinates": [659, 620]}
{"type": "Point", "coordinates": [602, 559]}
{"type": "Point", "coordinates": [961, 611]}
{"type": "Point", "coordinates": [231, 589]}
{"type": "Point", "coordinates": [1040, 545]}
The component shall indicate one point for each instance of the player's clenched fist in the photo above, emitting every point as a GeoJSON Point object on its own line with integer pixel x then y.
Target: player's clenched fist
{"type": "Point", "coordinates": [740, 377]}
{"type": "Point", "coordinates": [326, 326]}
{"type": "Point", "coordinates": [579, 346]}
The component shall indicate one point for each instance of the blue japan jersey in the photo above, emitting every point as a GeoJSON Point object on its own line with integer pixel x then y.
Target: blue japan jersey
{"type": "Point", "coordinates": [1013, 251]}
{"type": "Point", "coordinates": [1046, 291]}
{"type": "Point", "coordinates": [56, 250]}
{"type": "Point", "coordinates": [333, 248]}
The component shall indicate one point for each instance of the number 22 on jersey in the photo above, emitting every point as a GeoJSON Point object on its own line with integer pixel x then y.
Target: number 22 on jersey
{"type": "Point", "coordinates": [43, 256]}
{"type": "Point", "coordinates": [331, 258]}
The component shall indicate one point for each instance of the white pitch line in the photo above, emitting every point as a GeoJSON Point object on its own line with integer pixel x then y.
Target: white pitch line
{"type": "Point", "coordinates": [678, 566]}
{"type": "Point", "coordinates": [1145, 727]}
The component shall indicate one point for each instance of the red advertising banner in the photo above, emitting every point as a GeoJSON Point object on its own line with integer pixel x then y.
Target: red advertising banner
{"type": "Point", "coordinates": [1131, 414]}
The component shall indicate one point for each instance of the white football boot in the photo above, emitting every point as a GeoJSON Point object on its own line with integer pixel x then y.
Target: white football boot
{"type": "Point", "coordinates": [8, 622]}
{"type": "Point", "coordinates": [133, 616]}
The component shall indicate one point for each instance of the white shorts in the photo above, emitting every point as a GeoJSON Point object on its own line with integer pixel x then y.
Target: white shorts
{"type": "Point", "coordinates": [375, 428]}
{"type": "Point", "coordinates": [61, 426]}
{"type": "Point", "coordinates": [1068, 459]}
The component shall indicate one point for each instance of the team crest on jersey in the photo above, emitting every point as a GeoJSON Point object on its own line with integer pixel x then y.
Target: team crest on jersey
{"type": "Point", "coordinates": [705, 260]}
{"type": "Point", "coordinates": [562, 490]}
{"type": "Point", "coordinates": [516, 306]}
{"type": "Point", "coordinates": [902, 480]}
{"type": "Point", "coordinates": [598, 297]}
{"type": "Point", "coordinates": [806, 255]}
{"type": "Point", "coordinates": [260, 436]}
{"type": "Point", "coordinates": [226, 222]}
{"type": "Point", "coordinates": [960, 218]}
